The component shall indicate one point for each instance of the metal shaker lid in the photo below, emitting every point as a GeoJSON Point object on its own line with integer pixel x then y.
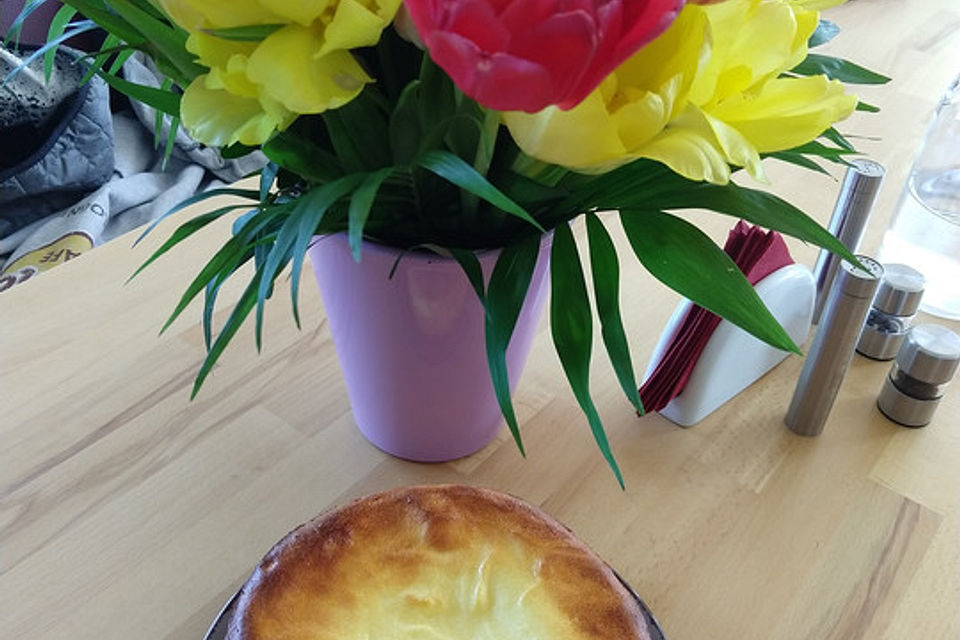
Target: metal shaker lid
{"type": "Point", "coordinates": [930, 353]}
{"type": "Point", "coordinates": [861, 183]}
{"type": "Point", "coordinates": [900, 291]}
{"type": "Point", "coordinates": [856, 282]}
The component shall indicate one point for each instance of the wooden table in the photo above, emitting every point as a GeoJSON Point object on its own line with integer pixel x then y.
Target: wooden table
{"type": "Point", "coordinates": [130, 512]}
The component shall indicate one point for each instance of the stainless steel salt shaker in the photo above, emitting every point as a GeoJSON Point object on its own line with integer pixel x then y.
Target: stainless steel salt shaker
{"type": "Point", "coordinates": [861, 184]}
{"type": "Point", "coordinates": [925, 364]}
{"type": "Point", "coordinates": [832, 348]}
{"type": "Point", "coordinates": [894, 308]}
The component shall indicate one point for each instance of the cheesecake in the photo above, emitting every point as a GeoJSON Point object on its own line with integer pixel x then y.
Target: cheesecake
{"type": "Point", "coordinates": [443, 562]}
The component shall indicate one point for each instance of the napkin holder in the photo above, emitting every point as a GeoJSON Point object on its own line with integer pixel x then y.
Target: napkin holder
{"type": "Point", "coordinates": [733, 359]}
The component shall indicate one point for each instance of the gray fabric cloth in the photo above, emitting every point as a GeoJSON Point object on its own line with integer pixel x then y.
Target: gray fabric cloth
{"type": "Point", "coordinates": [141, 191]}
{"type": "Point", "coordinates": [58, 154]}
{"type": "Point", "coordinates": [139, 69]}
{"type": "Point", "coordinates": [142, 188]}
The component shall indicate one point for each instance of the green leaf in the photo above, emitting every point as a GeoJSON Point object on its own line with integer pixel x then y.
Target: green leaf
{"type": "Point", "coordinates": [798, 159]}
{"type": "Point", "coordinates": [758, 207]}
{"type": "Point", "coordinates": [171, 142]}
{"type": "Point", "coordinates": [471, 267]}
{"type": "Point", "coordinates": [111, 44]}
{"type": "Point", "coordinates": [438, 94]}
{"type": "Point", "coordinates": [118, 62]}
{"type": "Point", "coordinates": [165, 101]}
{"type": "Point", "coordinates": [357, 132]}
{"type": "Point", "coordinates": [267, 175]}
{"type": "Point", "coordinates": [249, 194]}
{"type": "Point", "coordinates": [605, 268]}
{"type": "Point", "coordinates": [302, 157]}
{"type": "Point", "coordinates": [247, 33]}
{"type": "Point", "coordinates": [58, 25]}
{"type": "Point", "coordinates": [686, 260]}
{"type": "Point", "coordinates": [229, 253]}
{"type": "Point", "coordinates": [571, 324]}
{"type": "Point", "coordinates": [455, 170]}
{"type": "Point", "coordinates": [158, 115]}
{"type": "Point", "coordinates": [869, 108]}
{"type": "Point", "coordinates": [360, 205]}
{"type": "Point", "coordinates": [17, 26]}
{"type": "Point", "coordinates": [310, 209]}
{"type": "Point", "coordinates": [826, 31]}
{"type": "Point", "coordinates": [819, 149]}
{"type": "Point", "coordinates": [242, 309]}
{"type": "Point", "coordinates": [838, 69]}
{"type": "Point", "coordinates": [209, 302]}
{"type": "Point", "coordinates": [76, 29]}
{"type": "Point", "coordinates": [506, 292]}
{"type": "Point", "coordinates": [236, 150]}
{"type": "Point", "coordinates": [405, 131]}
{"type": "Point", "coordinates": [110, 21]}
{"type": "Point", "coordinates": [184, 231]}
{"type": "Point", "coordinates": [837, 138]}
{"type": "Point", "coordinates": [169, 41]}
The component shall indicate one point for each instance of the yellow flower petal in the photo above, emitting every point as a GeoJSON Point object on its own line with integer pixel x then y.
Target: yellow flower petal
{"type": "Point", "coordinates": [788, 112]}
{"type": "Point", "coordinates": [216, 52]}
{"type": "Point", "coordinates": [225, 14]}
{"type": "Point", "coordinates": [219, 118]}
{"type": "Point", "coordinates": [354, 25]}
{"type": "Point", "coordinates": [689, 154]}
{"type": "Point", "coordinates": [582, 137]}
{"type": "Point", "coordinates": [285, 66]}
{"type": "Point", "coordinates": [301, 11]}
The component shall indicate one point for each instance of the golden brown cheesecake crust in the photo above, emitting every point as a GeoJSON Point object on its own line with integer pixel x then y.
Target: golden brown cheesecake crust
{"type": "Point", "coordinates": [443, 561]}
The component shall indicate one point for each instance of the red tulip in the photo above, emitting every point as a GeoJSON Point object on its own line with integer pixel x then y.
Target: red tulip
{"type": "Point", "coordinates": [524, 55]}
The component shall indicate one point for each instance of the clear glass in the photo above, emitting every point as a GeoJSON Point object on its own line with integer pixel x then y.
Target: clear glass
{"type": "Point", "coordinates": [925, 230]}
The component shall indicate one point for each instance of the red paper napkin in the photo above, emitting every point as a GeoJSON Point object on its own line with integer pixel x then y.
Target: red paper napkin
{"type": "Point", "coordinates": [758, 253]}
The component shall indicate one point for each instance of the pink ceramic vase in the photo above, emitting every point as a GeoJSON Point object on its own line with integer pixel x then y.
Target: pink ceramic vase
{"type": "Point", "coordinates": [411, 346]}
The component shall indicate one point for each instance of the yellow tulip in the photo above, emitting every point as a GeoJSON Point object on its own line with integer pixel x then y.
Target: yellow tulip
{"type": "Point", "coordinates": [304, 66]}
{"type": "Point", "coordinates": [705, 95]}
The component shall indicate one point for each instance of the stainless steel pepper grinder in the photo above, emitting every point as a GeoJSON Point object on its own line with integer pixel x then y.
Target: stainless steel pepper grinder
{"type": "Point", "coordinates": [832, 349]}
{"type": "Point", "coordinates": [861, 184]}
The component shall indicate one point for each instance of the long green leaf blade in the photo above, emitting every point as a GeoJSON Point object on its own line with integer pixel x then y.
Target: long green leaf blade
{"type": "Point", "coordinates": [249, 194]}
{"type": "Point", "coordinates": [58, 25]}
{"type": "Point", "coordinates": [184, 231]}
{"type": "Point", "coordinates": [826, 31]}
{"type": "Point", "coordinates": [77, 29]}
{"type": "Point", "coordinates": [506, 292]}
{"type": "Point", "coordinates": [17, 26]}
{"type": "Point", "coordinates": [571, 324]}
{"type": "Point", "coordinates": [310, 212]}
{"type": "Point", "coordinates": [242, 309]}
{"type": "Point", "coordinates": [168, 40]}
{"type": "Point", "coordinates": [471, 268]}
{"type": "Point", "coordinates": [111, 44]}
{"type": "Point", "coordinates": [246, 33]}
{"type": "Point", "coordinates": [758, 207]}
{"type": "Point", "coordinates": [606, 289]}
{"type": "Point", "coordinates": [681, 256]}
{"type": "Point", "coordinates": [838, 69]}
{"type": "Point", "coordinates": [455, 170]}
{"type": "Point", "coordinates": [165, 101]}
{"type": "Point", "coordinates": [360, 205]}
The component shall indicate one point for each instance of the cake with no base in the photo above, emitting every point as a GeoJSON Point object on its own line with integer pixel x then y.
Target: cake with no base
{"type": "Point", "coordinates": [431, 563]}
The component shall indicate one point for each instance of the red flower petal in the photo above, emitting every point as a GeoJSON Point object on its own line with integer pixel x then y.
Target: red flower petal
{"type": "Point", "coordinates": [528, 54]}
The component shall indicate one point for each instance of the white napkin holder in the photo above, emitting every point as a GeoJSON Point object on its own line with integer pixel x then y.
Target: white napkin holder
{"type": "Point", "coordinates": [733, 359]}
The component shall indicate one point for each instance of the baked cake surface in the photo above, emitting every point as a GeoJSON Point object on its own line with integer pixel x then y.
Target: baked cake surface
{"type": "Point", "coordinates": [443, 562]}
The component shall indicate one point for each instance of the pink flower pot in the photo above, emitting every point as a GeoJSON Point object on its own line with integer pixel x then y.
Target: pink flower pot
{"type": "Point", "coordinates": [411, 347]}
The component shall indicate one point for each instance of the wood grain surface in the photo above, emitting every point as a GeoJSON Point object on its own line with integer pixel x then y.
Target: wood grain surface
{"type": "Point", "coordinates": [129, 511]}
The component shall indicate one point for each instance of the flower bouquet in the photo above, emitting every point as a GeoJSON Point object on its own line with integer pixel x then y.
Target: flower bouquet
{"type": "Point", "coordinates": [465, 125]}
